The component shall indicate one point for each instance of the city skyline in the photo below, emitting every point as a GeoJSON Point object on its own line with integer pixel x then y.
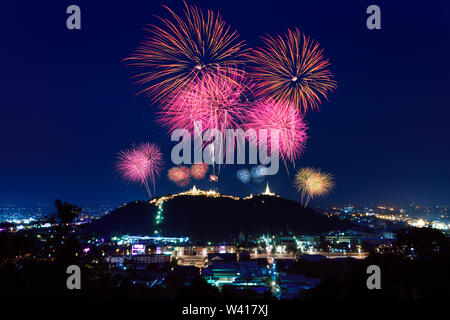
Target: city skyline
{"type": "Point", "coordinates": [317, 203]}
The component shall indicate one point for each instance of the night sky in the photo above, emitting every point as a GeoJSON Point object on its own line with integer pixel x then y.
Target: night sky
{"type": "Point", "coordinates": [68, 103]}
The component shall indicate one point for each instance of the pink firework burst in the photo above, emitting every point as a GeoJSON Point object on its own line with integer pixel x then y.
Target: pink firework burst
{"type": "Point", "coordinates": [155, 159]}
{"type": "Point", "coordinates": [216, 100]}
{"type": "Point", "coordinates": [286, 119]}
{"type": "Point", "coordinates": [141, 164]}
{"type": "Point", "coordinates": [181, 175]}
{"type": "Point", "coordinates": [133, 166]}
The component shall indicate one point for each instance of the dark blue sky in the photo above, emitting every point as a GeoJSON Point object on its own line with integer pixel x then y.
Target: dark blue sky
{"type": "Point", "coordinates": [68, 103]}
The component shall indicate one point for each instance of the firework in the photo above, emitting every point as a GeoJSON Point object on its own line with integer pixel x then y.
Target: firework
{"type": "Point", "coordinates": [216, 101]}
{"type": "Point", "coordinates": [141, 164]}
{"type": "Point", "coordinates": [313, 183]}
{"type": "Point", "coordinates": [292, 68]}
{"type": "Point", "coordinates": [185, 48]}
{"type": "Point", "coordinates": [180, 175]}
{"type": "Point", "coordinates": [244, 175]}
{"type": "Point", "coordinates": [282, 118]}
{"type": "Point", "coordinates": [198, 170]}
{"type": "Point", "coordinates": [258, 173]}
{"type": "Point", "coordinates": [155, 159]}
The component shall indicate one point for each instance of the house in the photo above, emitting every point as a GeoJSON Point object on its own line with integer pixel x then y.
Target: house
{"type": "Point", "coordinates": [294, 285]}
{"type": "Point", "coordinates": [115, 261]}
{"type": "Point", "coordinates": [183, 275]}
{"type": "Point", "coordinates": [149, 260]}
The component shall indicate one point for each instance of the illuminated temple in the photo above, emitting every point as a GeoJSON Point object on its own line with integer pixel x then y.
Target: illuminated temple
{"type": "Point", "coordinates": [209, 193]}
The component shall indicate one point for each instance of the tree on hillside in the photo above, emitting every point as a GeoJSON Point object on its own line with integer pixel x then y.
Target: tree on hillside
{"type": "Point", "coordinates": [66, 212]}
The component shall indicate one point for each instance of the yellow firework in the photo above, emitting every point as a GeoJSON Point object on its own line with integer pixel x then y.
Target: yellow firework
{"type": "Point", "coordinates": [313, 183]}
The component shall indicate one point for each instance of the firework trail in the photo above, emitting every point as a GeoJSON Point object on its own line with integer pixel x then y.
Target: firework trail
{"type": "Point", "coordinates": [155, 158]}
{"type": "Point", "coordinates": [210, 152]}
{"type": "Point", "coordinates": [282, 118]}
{"type": "Point", "coordinates": [313, 183]}
{"type": "Point", "coordinates": [292, 68]}
{"type": "Point", "coordinates": [180, 175]}
{"type": "Point", "coordinates": [141, 164]}
{"type": "Point", "coordinates": [198, 170]}
{"type": "Point", "coordinates": [185, 48]}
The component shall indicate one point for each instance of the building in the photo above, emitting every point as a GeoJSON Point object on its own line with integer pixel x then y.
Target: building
{"type": "Point", "coordinates": [183, 275]}
{"type": "Point", "coordinates": [294, 285]}
{"type": "Point", "coordinates": [242, 275]}
{"type": "Point", "coordinates": [222, 257]}
{"type": "Point", "coordinates": [221, 273]}
{"type": "Point", "coordinates": [115, 261]}
{"type": "Point", "coordinates": [144, 261]}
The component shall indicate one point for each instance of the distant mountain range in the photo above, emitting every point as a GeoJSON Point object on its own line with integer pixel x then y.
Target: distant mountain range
{"type": "Point", "coordinates": [214, 217]}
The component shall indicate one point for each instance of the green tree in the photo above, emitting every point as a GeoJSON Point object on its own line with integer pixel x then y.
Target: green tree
{"type": "Point", "coordinates": [66, 212]}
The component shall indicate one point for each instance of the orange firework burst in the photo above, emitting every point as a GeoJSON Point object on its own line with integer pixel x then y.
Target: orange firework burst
{"type": "Point", "coordinates": [292, 68]}
{"type": "Point", "coordinates": [198, 170]}
{"type": "Point", "coordinates": [181, 175]}
{"type": "Point", "coordinates": [184, 48]}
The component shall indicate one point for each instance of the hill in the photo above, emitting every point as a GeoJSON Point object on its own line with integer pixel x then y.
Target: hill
{"type": "Point", "coordinates": [213, 217]}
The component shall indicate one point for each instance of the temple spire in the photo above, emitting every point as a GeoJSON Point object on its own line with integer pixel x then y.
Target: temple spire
{"type": "Point", "coordinates": [267, 192]}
